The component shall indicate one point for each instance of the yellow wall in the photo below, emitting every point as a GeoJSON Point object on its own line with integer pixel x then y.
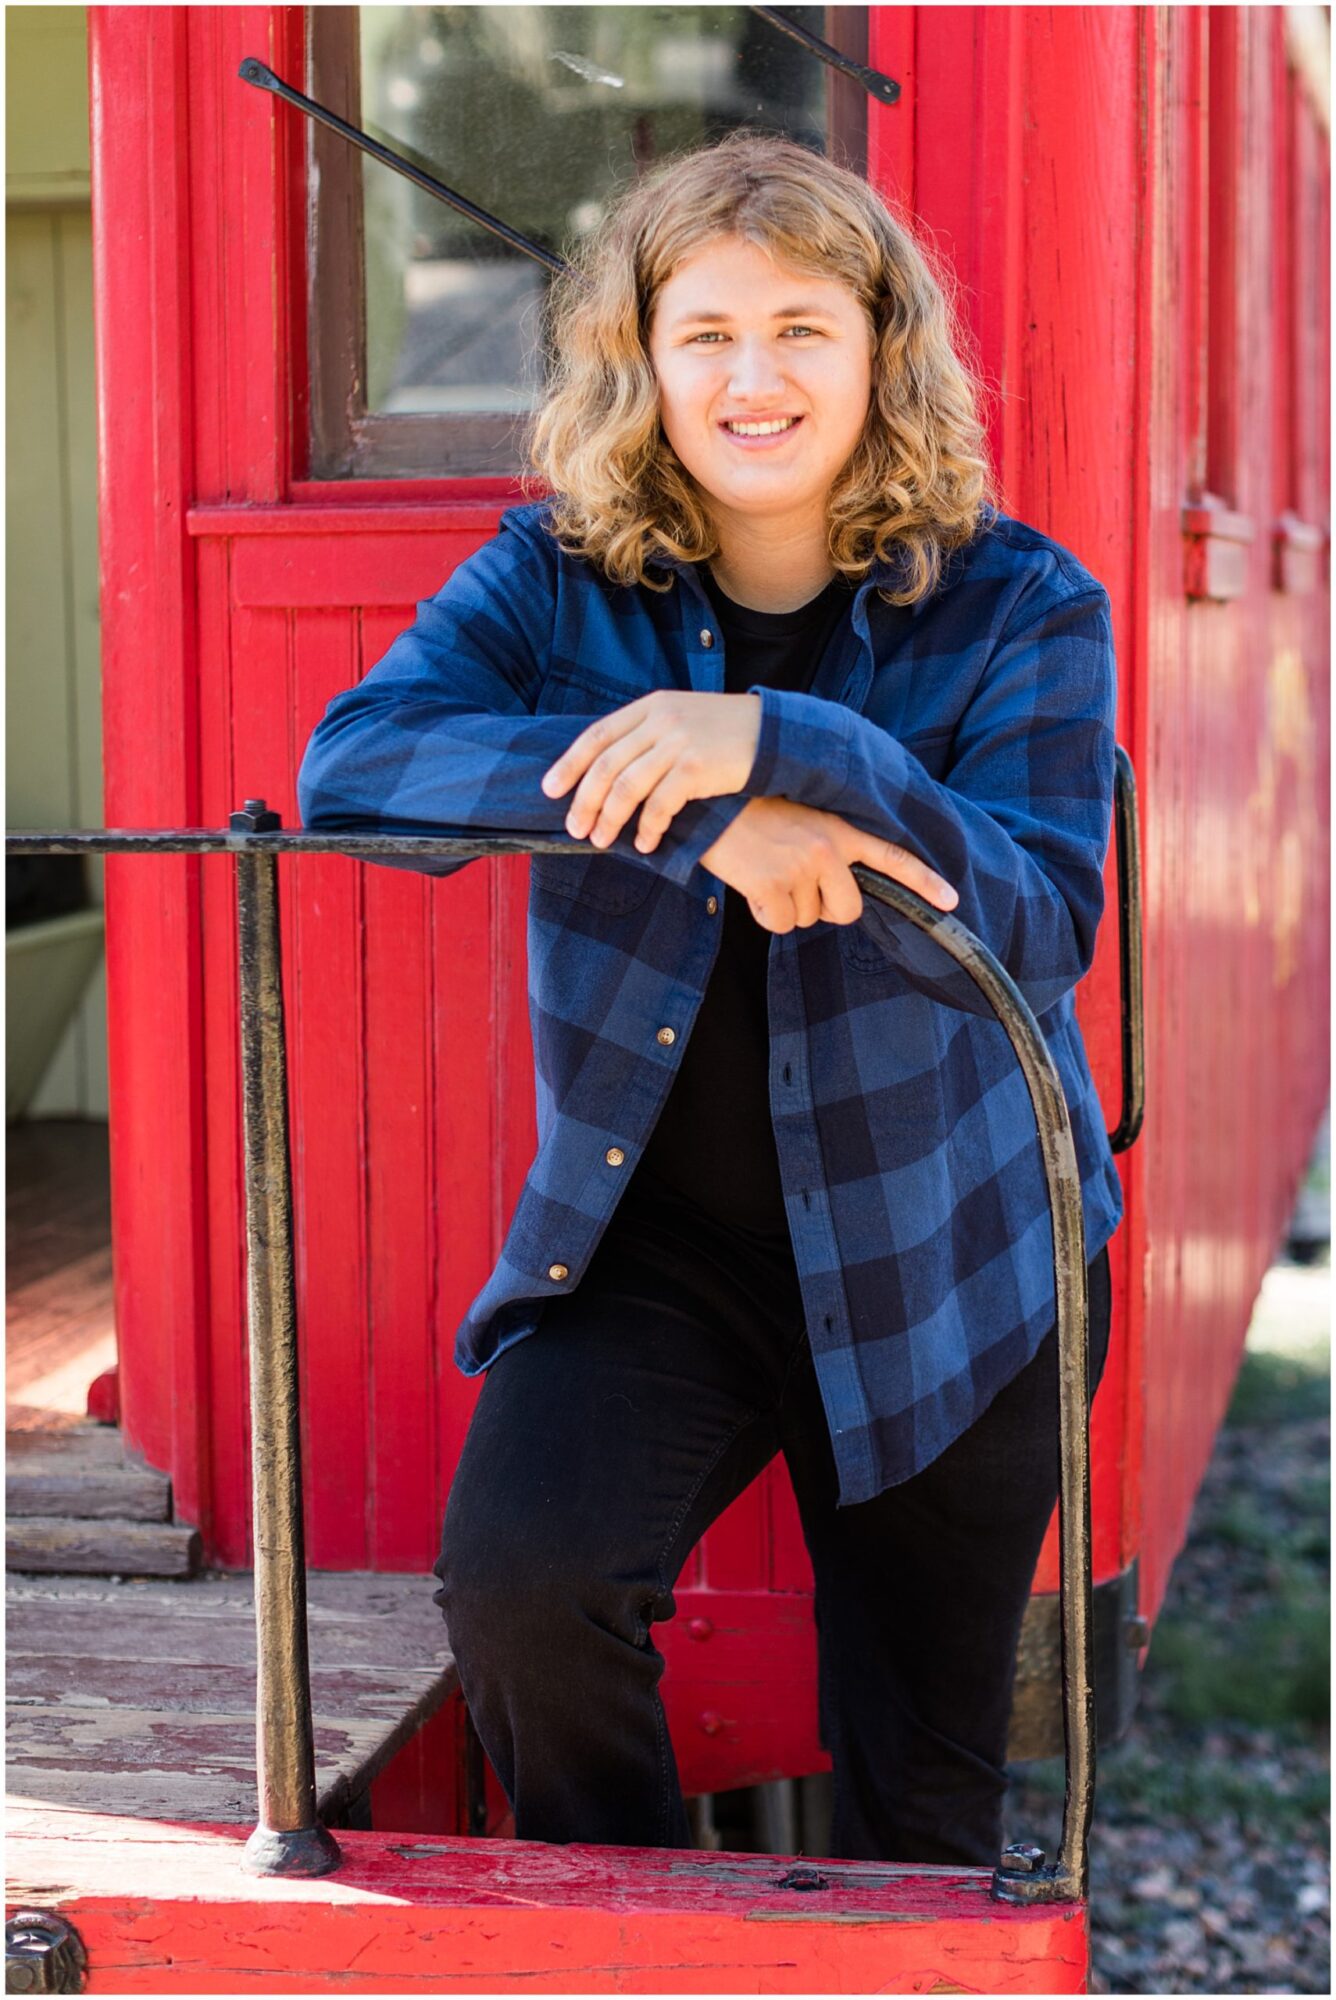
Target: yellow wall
{"type": "Point", "coordinates": [46, 104]}
{"type": "Point", "coordinates": [53, 757]}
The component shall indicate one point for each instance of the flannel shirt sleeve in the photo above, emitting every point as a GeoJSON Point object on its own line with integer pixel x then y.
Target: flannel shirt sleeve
{"type": "Point", "coordinates": [1020, 823]}
{"type": "Point", "coordinates": [441, 735]}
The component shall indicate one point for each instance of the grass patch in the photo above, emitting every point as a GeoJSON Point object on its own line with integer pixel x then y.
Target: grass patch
{"type": "Point", "coordinates": [1179, 1784]}
{"type": "Point", "coordinates": [1194, 1788]}
{"type": "Point", "coordinates": [1277, 1388]}
{"type": "Point", "coordinates": [1243, 1523]}
{"type": "Point", "coordinates": [1273, 1671]}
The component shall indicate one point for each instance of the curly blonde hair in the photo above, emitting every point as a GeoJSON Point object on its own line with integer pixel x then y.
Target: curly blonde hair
{"type": "Point", "coordinates": [917, 484]}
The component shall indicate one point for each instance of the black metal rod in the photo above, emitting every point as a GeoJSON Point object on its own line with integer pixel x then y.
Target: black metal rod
{"type": "Point", "coordinates": [254, 71]}
{"type": "Point", "coordinates": [1127, 835]}
{"type": "Point", "coordinates": [884, 88]}
{"type": "Point", "coordinates": [212, 840]}
{"type": "Point", "coordinates": [1027, 1880]}
{"type": "Point", "coordinates": [288, 1838]}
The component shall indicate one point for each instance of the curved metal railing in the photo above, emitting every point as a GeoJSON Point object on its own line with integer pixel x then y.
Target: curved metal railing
{"type": "Point", "coordinates": [288, 1838]}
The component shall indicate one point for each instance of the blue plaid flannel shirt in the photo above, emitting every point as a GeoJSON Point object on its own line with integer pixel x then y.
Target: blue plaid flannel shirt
{"type": "Point", "coordinates": [976, 728]}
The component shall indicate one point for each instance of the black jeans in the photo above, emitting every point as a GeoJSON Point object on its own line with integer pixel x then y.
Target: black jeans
{"type": "Point", "coordinates": [601, 1449]}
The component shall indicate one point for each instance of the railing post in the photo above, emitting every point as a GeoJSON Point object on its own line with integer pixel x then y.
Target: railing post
{"type": "Point", "coordinates": [289, 1839]}
{"type": "Point", "coordinates": [1025, 1875]}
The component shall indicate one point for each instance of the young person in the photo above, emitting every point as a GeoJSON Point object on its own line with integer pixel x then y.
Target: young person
{"type": "Point", "coordinates": [788, 1195]}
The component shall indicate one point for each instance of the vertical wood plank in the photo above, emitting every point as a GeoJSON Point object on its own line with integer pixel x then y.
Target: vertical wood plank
{"type": "Point", "coordinates": [463, 1146]}
{"type": "Point", "coordinates": [221, 793]}
{"type": "Point", "coordinates": [144, 338]}
{"type": "Point", "coordinates": [892, 49]}
{"type": "Point", "coordinates": [514, 1106]}
{"type": "Point", "coordinates": [38, 777]}
{"type": "Point", "coordinates": [400, 1172]}
{"type": "Point", "coordinates": [324, 918]}
{"type": "Point", "coordinates": [53, 711]}
{"type": "Point", "coordinates": [75, 249]}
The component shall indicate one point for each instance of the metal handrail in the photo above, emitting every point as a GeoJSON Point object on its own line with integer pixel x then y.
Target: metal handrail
{"type": "Point", "coordinates": [289, 1838]}
{"type": "Point", "coordinates": [1127, 838]}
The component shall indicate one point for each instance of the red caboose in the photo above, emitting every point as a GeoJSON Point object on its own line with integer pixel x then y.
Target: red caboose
{"type": "Point", "coordinates": [309, 382]}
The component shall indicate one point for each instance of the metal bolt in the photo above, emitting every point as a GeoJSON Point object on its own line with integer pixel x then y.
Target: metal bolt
{"type": "Point", "coordinates": [43, 1954]}
{"type": "Point", "coordinates": [1022, 1858]}
{"type": "Point", "coordinates": [802, 1878]}
{"type": "Point", "coordinates": [699, 1628]}
{"type": "Point", "coordinates": [254, 817]}
{"type": "Point", "coordinates": [1136, 1633]}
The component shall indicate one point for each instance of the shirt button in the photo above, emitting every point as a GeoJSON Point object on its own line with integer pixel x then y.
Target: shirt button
{"type": "Point", "coordinates": [667, 1036]}
{"type": "Point", "coordinates": [558, 1271]}
{"type": "Point", "coordinates": [707, 637]}
{"type": "Point", "coordinates": [614, 1156]}
{"type": "Point", "coordinates": [712, 904]}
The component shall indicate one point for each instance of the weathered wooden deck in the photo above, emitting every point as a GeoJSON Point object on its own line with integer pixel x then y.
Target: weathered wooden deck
{"type": "Point", "coordinates": [127, 1694]}
{"type": "Point", "coordinates": [138, 1698]}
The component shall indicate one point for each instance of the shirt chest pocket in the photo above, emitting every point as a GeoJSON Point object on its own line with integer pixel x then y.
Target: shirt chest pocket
{"type": "Point", "coordinates": [571, 689]}
{"type": "Point", "coordinates": [603, 882]}
{"type": "Point", "coordinates": [595, 881]}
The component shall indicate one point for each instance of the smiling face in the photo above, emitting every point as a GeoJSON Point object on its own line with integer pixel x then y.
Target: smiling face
{"type": "Point", "coordinates": [736, 335]}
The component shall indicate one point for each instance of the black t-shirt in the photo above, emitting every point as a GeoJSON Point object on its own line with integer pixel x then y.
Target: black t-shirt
{"type": "Point", "coordinates": [713, 1145]}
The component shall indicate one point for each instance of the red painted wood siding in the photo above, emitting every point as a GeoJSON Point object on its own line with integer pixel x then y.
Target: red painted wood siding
{"type": "Point", "coordinates": [1230, 731]}
{"type": "Point", "coordinates": [1047, 151]}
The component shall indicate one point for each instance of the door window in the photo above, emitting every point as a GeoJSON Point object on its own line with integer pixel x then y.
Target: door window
{"type": "Point", "coordinates": [425, 342]}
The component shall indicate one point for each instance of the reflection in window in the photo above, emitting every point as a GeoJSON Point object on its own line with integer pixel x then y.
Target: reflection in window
{"type": "Point", "coordinates": [539, 114]}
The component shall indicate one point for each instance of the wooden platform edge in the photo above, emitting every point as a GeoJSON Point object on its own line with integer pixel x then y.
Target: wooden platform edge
{"type": "Point", "coordinates": [109, 1713]}
{"type": "Point", "coordinates": [343, 1794]}
{"type": "Point", "coordinates": [168, 1908]}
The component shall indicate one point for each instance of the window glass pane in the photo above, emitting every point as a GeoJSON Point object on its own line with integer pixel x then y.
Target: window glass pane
{"type": "Point", "coordinates": [539, 114]}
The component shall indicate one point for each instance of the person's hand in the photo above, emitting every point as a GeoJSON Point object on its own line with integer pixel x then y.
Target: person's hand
{"type": "Point", "coordinates": [671, 745]}
{"type": "Point", "coordinates": [793, 864]}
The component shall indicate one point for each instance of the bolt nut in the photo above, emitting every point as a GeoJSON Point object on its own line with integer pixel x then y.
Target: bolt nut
{"type": "Point", "coordinates": [802, 1878]}
{"type": "Point", "coordinates": [1022, 1858]}
{"type": "Point", "coordinates": [1136, 1633]}
{"type": "Point", "coordinates": [254, 818]}
{"type": "Point", "coordinates": [43, 1954]}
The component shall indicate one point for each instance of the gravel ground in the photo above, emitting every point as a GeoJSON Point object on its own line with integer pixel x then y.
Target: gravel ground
{"type": "Point", "coordinates": [1210, 1849]}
